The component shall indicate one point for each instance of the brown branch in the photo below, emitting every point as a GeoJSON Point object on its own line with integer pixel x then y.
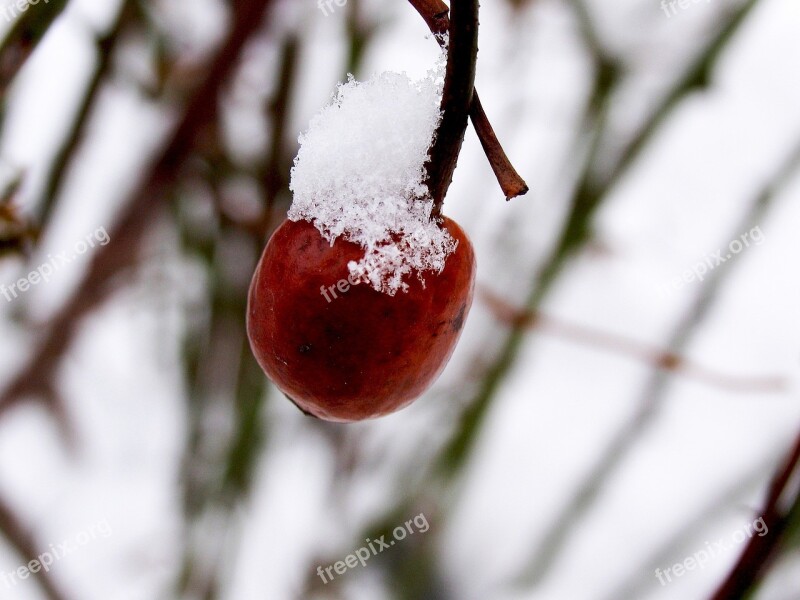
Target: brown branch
{"type": "Point", "coordinates": [435, 14]}
{"type": "Point", "coordinates": [29, 29]}
{"type": "Point", "coordinates": [459, 84]}
{"type": "Point", "coordinates": [510, 181]}
{"type": "Point", "coordinates": [37, 376]}
{"type": "Point", "coordinates": [760, 551]}
{"type": "Point", "coordinates": [650, 355]}
{"type": "Point", "coordinates": [24, 544]}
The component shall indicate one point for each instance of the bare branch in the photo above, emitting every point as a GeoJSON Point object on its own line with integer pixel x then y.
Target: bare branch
{"type": "Point", "coordinates": [24, 544]}
{"type": "Point", "coordinates": [762, 549]}
{"type": "Point", "coordinates": [657, 358]}
{"type": "Point", "coordinates": [435, 13]}
{"type": "Point", "coordinates": [459, 83]}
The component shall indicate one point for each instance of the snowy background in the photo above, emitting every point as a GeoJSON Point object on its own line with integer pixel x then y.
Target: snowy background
{"type": "Point", "coordinates": [585, 467]}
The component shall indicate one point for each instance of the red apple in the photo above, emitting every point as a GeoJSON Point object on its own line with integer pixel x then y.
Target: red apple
{"type": "Point", "coordinates": [344, 352]}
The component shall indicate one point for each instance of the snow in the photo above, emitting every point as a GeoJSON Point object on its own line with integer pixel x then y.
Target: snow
{"type": "Point", "coordinates": [359, 174]}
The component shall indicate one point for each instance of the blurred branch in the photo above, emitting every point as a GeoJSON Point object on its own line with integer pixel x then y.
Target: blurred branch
{"type": "Point", "coordinates": [654, 357]}
{"type": "Point", "coordinates": [696, 77]}
{"type": "Point", "coordinates": [589, 33]}
{"type": "Point", "coordinates": [782, 505]}
{"type": "Point", "coordinates": [37, 376]}
{"type": "Point", "coordinates": [359, 34]}
{"type": "Point", "coordinates": [28, 30]}
{"type": "Point", "coordinates": [435, 13]}
{"type": "Point", "coordinates": [593, 187]}
{"type": "Point", "coordinates": [24, 544]}
{"type": "Point", "coordinates": [218, 463]}
{"type": "Point", "coordinates": [105, 44]}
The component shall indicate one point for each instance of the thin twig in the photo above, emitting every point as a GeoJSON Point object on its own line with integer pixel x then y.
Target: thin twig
{"type": "Point", "coordinates": [435, 14]}
{"type": "Point", "coordinates": [459, 84]}
{"type": "Point", "coordinates": [24, 544]}
{"type": "Point", "coordinates": [28, 30]}
{"type": "Point", "coordinates": [656, 357]}
{"type": "Point", "coordinates": [761, 549]}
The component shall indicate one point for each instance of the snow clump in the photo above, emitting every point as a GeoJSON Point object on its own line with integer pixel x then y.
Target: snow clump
{"type": "Point", "coordinates": [359, 174]}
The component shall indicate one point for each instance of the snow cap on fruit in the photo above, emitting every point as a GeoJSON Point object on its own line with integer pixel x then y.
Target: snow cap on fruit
{"type": "Point", "coordinates": [359, 174]}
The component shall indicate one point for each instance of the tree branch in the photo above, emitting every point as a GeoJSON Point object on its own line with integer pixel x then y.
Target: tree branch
{"type": "Point", "coordinates": [28, 30]}
{"type": "Point", "coordinates": [23, 542]}
{"type": "Point", "coordinates": [435, 14]}
{"type": "Point", "coordinates": [655, 357]}
{"type": "Point", "coordinates": [762, 549]}
{"type": "Point", "coordinates": [459, 83]}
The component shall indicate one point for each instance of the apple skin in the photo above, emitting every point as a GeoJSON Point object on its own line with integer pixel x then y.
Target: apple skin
{"type": "Point", "coordinates": [364, 353]}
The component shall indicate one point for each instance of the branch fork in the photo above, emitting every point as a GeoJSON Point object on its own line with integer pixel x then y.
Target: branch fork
{"type": "Point", "coordinates": [460, 100]}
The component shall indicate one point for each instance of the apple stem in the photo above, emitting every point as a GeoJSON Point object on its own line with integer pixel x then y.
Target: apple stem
{"type": "Point", "coordinates": [459, 82]}
{"type": "Point", "coordinates": [436, 16]}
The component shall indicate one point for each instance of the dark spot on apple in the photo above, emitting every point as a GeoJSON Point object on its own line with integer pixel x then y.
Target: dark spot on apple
{"type": "Point", "coordinates": [304, 349]}
{"type": "Point", "coordinates": [458, 322]}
